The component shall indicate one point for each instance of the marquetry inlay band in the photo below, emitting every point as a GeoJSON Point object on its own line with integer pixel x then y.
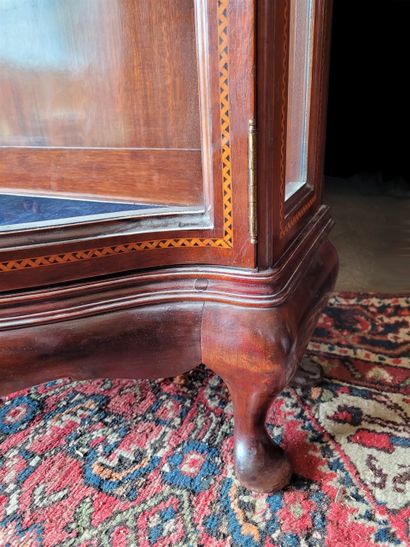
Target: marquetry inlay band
{"type": "Point", "coordinates": [223, 242]}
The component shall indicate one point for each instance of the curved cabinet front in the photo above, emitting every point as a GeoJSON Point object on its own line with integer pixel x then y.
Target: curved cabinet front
{"type": "Point", "coordinates": [128, 145]}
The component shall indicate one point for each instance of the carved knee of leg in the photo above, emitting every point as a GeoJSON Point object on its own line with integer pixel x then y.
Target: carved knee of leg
{"type": "Point", "coordinates": [254, 353]}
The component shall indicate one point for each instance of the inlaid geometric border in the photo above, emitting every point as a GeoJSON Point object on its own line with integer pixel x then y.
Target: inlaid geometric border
{"type": "Point", "coordinates": [224, 242]}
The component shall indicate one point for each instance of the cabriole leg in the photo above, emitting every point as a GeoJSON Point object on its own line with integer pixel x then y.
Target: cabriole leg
{"type": "Point", "coordinates": [258, 351]}
{"type": "Point", "coordinates": [260, 464]}
{"type": "Point", "coordinates": [253, 351]}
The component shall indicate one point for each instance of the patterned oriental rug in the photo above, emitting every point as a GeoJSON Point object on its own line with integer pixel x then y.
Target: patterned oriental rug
{"type": "Point", "coordinates": [127, 463]}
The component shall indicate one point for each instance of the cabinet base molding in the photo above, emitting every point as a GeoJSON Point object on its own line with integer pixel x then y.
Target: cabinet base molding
{"type": "Point", "coordinates": [163, 323]}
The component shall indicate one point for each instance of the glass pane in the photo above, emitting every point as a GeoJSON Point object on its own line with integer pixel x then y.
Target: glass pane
{"type": "Point", "coordinates": [299, 90]}
{"type": "Point", "coordinates": [99, 109]}
{"type": "Point", "coordinates": [85, 73]}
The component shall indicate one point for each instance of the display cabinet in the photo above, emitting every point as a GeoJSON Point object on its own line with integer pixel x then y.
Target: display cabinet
{"type": "Point", "coordinates": [160, 201]}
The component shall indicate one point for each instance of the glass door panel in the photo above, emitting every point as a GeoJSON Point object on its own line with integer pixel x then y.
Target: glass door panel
{"type": "Point", "coordinates": [299, 92]}
{"type": "Point", "coordinates": [99, 109]}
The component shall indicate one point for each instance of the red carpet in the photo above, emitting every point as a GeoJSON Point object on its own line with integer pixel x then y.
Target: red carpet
{"type": "Point", "coordinates": [127, 463]}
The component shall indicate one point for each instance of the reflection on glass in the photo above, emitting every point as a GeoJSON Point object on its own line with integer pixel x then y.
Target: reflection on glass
{"type": "Point", "coordinates": [300, 76]}
{"type": "Point", "coordinates": [99, 110]}
{"type": "Point", "coordinates": [17, 210]}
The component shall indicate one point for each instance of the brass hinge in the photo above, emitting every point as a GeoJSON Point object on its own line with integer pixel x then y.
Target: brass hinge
{"type": "Point", "coordinates": [252, 212]}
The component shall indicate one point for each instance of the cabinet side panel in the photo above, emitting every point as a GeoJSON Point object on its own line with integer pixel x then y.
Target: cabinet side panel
{"type": "Point", "coordinates": [278, 66]}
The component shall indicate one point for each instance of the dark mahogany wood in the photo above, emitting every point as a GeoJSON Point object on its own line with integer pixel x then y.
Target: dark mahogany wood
{"type": "Point", "coordinates": [109, 329]}
{"type": "Point", "coordinates": [252, 329]}
{"type": "Point", "coordinates": [112, 174]}
{"type": "Point", "coordinates": [176, 85]}
{"type": "Point", "coordinates": [140, 342]}
{"type": "Point", "coordinates": [257, 353]}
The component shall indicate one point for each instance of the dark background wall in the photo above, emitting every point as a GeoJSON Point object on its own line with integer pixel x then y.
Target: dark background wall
{"type": "Point", "coordinates": [369, 99]}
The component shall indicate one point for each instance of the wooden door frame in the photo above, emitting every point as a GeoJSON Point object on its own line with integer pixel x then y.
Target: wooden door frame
{"type": "Point", "coordinates": [282, 221]}
{"type": "Point", "coordinates": [63, 253]}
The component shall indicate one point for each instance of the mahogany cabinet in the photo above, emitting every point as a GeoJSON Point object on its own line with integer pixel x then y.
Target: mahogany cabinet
{"type": "Point", "coordinates": [160, 196]}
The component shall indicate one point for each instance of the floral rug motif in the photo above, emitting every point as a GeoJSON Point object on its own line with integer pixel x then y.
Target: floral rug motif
{"type": "Point", "coordinates": [128, 463]}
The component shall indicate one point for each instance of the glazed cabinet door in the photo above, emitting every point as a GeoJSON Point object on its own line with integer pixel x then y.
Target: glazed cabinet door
{"type": "Point", "coordinates": [123, 136]}
{"type": "Point", "coordinates": [293, 59]}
